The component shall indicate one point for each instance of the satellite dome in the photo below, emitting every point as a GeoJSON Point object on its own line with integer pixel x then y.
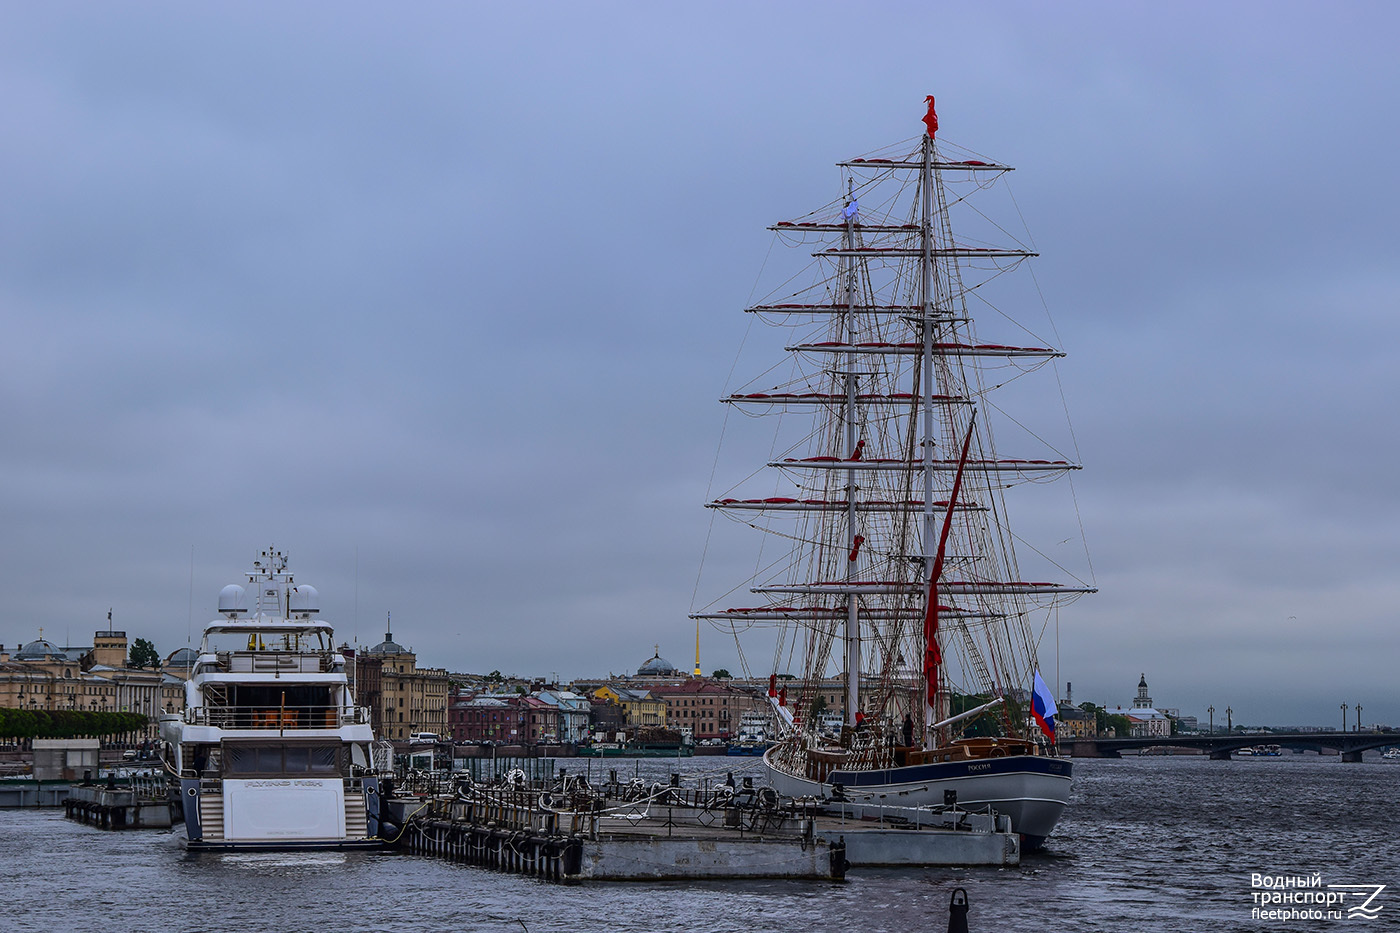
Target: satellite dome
{"type": "Point", "coordinates": [232, 599]}
{"type": "Point", "coordinates": [305, 600]}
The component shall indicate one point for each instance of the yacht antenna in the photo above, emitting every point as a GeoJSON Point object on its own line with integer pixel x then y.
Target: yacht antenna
{"type": "Point", "coordinates": [189, 620]}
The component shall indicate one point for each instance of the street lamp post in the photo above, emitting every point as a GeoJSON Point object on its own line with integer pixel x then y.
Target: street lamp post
{"type": "Point", "coordinates": [1211, 710]}
{"type": "Point", "coordinates": [1358, 717]}
{"type": "Point", "coordinates": [1344, 717]}
{"type": "Point", "coordinates": [1229, 721]}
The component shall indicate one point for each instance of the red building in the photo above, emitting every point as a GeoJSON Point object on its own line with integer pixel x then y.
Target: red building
{"type": "Point", "coordinates": [503, 720]}
{"type": "Point", "coordinates": [486, 719]}
{"type": "Point", "coordinates": [542, 720]}
{"type": "Point", "coordinates": [708, 708]}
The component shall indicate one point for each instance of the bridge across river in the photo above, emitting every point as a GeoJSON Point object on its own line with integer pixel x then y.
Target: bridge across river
{"type": "Point", "coordinates": [1349, 745]}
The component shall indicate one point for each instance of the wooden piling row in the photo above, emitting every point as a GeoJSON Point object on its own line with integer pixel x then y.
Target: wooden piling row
{"type": "Point", "coordinates": [107, 816]}
{"type": "Point", "coordinates": [111, 807]}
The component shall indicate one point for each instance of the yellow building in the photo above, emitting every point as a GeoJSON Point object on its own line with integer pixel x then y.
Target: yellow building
{"type": "Point", "coordinates": [42, 676]}
{"type": "Point", "coordinates": [402, 697]}
{"type": "Point", "coordinates": [639, 706]}
{"type": "Point", "coordinates": [1074, 723]}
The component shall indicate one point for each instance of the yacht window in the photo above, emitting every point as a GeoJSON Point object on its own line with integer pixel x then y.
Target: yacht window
{"type": "Point", "coordinates": [242, 759]}
{"type": "Point", "coordinates": [281, 759]}
{"type": "Point", "coordinates": [298, 759]}
{"type": "Point", "coordinates": [324, 760]}
{"type": "Point", "coordinates": [268, 759]}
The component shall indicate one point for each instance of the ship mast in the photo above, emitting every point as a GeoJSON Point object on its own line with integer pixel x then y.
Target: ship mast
{"type": "Point", "coordinates": [849, 412]}
{"type": "Point", "coordinates": [893, 390]}
{"type": "Point", "coordinates": [926, 300]}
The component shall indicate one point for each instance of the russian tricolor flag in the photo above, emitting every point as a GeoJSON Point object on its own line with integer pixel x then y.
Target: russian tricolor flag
{"type": "Point", "coordinates": [1043, 706]}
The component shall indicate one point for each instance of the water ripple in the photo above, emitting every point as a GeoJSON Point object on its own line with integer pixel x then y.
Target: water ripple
{"type": "Point", "coordinates": [1160, 844]}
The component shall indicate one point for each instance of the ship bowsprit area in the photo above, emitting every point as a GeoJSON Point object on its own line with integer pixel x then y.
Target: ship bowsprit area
{"type": "Point", "coordinates": [567, 831]}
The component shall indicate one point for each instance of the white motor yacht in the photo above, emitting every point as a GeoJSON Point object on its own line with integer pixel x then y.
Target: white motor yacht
{"type": "Point", "coordinates": [270, 751]}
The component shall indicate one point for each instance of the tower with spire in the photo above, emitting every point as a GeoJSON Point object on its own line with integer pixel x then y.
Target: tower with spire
{"type": "Point", "coordinates": [1143, 701]}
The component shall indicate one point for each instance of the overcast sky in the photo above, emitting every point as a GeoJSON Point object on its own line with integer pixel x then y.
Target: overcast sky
{"type": "Point", "coordinates": [439, 299]}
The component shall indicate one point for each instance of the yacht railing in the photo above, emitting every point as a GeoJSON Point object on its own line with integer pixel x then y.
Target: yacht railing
{"type": "Point", "coordinates": [149, 786]}
{"type": "Point", "coordinates": [211, 783]}
{"type": "Point", "coordinates": [280, 718]}
{"type": "Point", "coordinates": [265, 661]}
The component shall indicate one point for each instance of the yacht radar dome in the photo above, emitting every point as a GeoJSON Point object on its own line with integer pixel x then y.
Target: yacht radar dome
{"type": "Point", "coordinates": [231, 601]}
{"type": "Point", "coordinates": [305, 600]}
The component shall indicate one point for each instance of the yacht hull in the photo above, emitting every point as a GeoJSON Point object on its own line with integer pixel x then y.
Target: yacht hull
{"type": "Point", "coordinates": [290, 814]}
{"type": "Point", "coordinates": [747, 750]}
{"type": "Point", "coordinates": [1032, 790]}
{"type": "Point", "coordinates": [198, 846]}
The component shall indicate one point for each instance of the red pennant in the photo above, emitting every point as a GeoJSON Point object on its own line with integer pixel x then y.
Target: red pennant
{"type": "Point", "coordinates": [931, 118]}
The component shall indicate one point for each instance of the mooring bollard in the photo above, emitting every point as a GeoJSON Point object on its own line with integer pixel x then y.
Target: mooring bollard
{"type": "Point", "coordinates": [957, 912]}
{"type": "Point", "coordinates": [837, 855]}
{"type": "Point", "coordinates": [573, 857]}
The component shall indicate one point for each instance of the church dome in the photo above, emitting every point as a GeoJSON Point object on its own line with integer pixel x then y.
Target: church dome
{"type": "Point", "coordinates": [656, 665]}
{"type": "Point", "coordinates": [182, 658]}
{"type": "Point", "coordinates": [37, 650]}
{"type": "Point", "coordinates": [388, 646]}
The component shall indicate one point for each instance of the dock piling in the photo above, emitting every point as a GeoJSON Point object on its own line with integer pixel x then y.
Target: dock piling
{"type": "Point", "coordinates": [957, 912]}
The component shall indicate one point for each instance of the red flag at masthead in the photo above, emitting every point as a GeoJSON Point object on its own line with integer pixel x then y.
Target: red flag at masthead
{"type": "Point", "coordinates": [931, 118]}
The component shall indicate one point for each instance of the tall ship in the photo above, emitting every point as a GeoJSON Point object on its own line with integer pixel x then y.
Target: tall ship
{"type": "Point", "coordinates": [270, 751]}
{"type": "Point", "coordinates": [896, 574]}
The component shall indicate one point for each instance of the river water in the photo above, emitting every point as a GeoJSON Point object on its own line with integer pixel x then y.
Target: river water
{"type": "Point", "coordinates": [1164, 844]}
